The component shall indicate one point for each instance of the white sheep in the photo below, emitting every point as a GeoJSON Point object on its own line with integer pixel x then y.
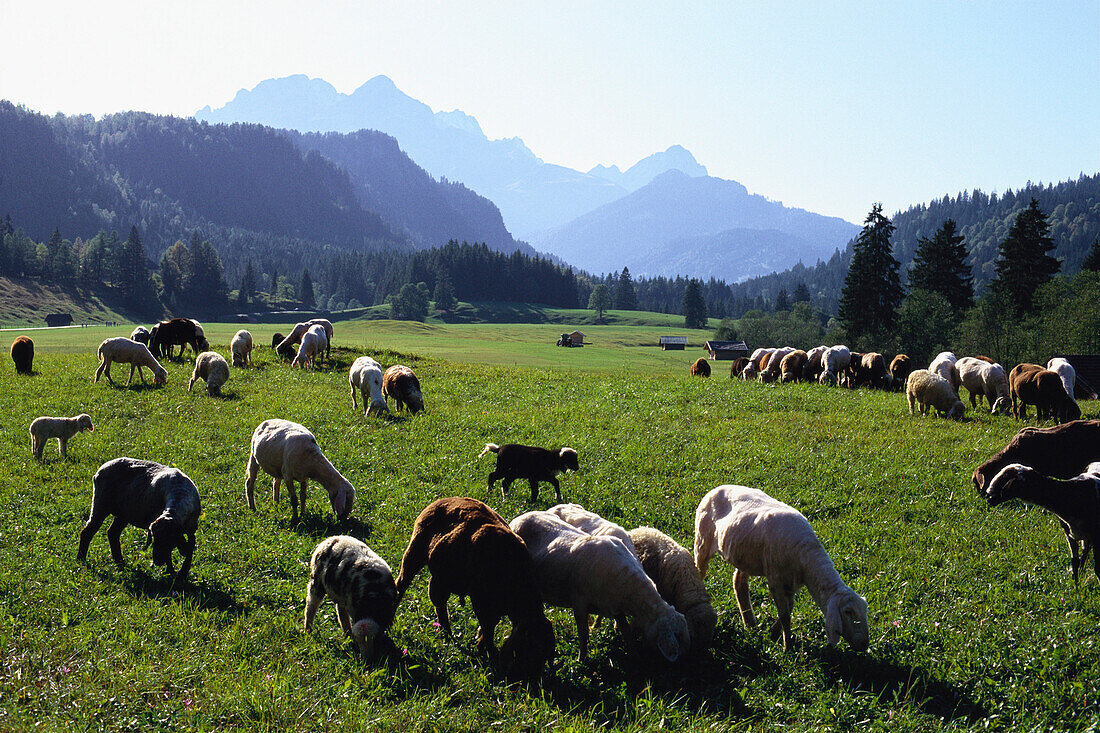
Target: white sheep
{"type": "Point", "coordinates": [931, 390]}
{"type": "Point", "coordinates": [758, 357]}
{"type": "Point", "coordinates": [141, 335]}
{"type": "Point", "coordinates": [775, 360]}
{"type": "Point", "coordinates": [591, 523]}
{"type": "Point", "coordinates": [204, 345]}
{"type": "Point", "coordinates": [984, 379]}
{"type": "Point", "coordinates": [944, 365]}
{"type": "Point", "coordinates": [210, 366]}
{"type": "Point", "coordinates": [365, 376]}
{"type": "Point", "coordinates": [289, 452]}
{"type": "Point", "coordinates": [834, 361]}
{"type": "Point", "coordinates": [592, 574]}
{"type": "Point", "coordinates": [327, 325]}
{"type": "Point", "coordinates": [1065, 372]}
{"type": "Point", "coordinates": [749, 372]}
{"type": "Point", "coordinates": [759, 535]}
{"type": "Point", "coordinates": [313, 343]}
{"type": "Point", "coordinates": [241, 348]}
{"type": "Point", "coordinates": [125, 351]}
{"type": "Point", "coordinates": [62, 428]}
{"type": "Point", "coordinates": [673, 571]}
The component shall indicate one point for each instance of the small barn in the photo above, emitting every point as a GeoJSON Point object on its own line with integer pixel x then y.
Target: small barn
{"type": "Point", "coordinates": [673, 343]}
{"type": "Point", "coordinates": [59, 319]}
{"type": "Point", "coordinates": [1087, 367]}
{"type": "Point", "coordinates": [725, 350]}
{"type": "Point", "coordinates": [577, 338]}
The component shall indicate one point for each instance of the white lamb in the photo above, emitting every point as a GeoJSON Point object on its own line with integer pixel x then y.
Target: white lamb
{"type": "Point", "coordinates": [759, 535]}
{"type": "Point", "coordinates": [834, 361]}
{"type": "Point", "coordinates": [365, 376]}
{"type": "Point", "coordinates": [125, 351]}
{"type": "Point", "coordinates": [984, 379]}
{"type": "Point", "coordinates": [757, 358]}
{"type": "Point", "coordinates": [241, 348]}
{"type": "Point", "coordinates": [210, 366]}
{"type": "Point", "coordinates": [591, 523]}
{"type": "Point", "coordinates": [591, 574]}
{"type": "Point", "coordinates": [931, 390]}
{"type": "Point", "coordinates": [314, 342]}
{"type": "Point", "coordinates": [62, 428]}
{"type": "Point", "coordinates": [944, 365]}
{"type": "Point", "coordinates": [290, 453]}
{"type": "Point", "coordinates": [1065, 372]}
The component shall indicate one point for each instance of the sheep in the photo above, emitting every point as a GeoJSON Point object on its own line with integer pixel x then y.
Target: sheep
{"type": "Point", "coordinates": [361, 585]}
{"type": "Point", "coordinates": [210, 367]}
{"type": "Point", "coordinates": [749, 372]}
{"type": "Point", "coordinates": [327, 326]}
{"type": "Point", "coordinates": [982, 378]}
{"type": "Point", "coordinates": [534, 464]}
{"type": "Point", "coordinates": [591, 523]}
{"type": "Point", "coordinates": [289, 452]}
{"type": "Point", "coordinates": [285, 348]}
{"type": "Point", "coordinates": [900, 367]}
{"type": "Point", "coordinates": [22, 353]}
{"type": "Point", "coordinates": [276, 339]}
{"type": "Point", "coordinates": [834, 361]}
{"type": "Point", "coordinates": [737, 366]}
{"type": "Point", "coordinates": [673, 571]}
{"type": "Point", "coordinates": [1062, 451]}
{"type": "Point", "coordinates": [365, 376]}
{"type": "Point", "coordinates": [1075, 502]}
{"type": "Point", "coordinates": [760, 535]}
{"type": "Point", "coordinates": [313, 343]}
{"type": "Point", "coordinates": [180, 332]}
{"type": "Point", "coordinates": [793, 366]}
{"type": "Point", "coordinates": [597, 574]}
{"type": "Point", "coordinates": [141, 335]}
{"type": "Point", "coordinates": [700, 368]}
{"type": "Point", "coordinates": [813, 367]}
{"type": "Point", "coordinates": [944, 365]}
{"type": "Point", "coordinates": [157, 498]}
{"type": "Point", "coordinates": [774, 366]}
{"type": "Point", "coordinates": [1065, 372]}
{"type": "Point", "coordinates": [124, 351]}
{"type": "Point", "coordinates": [471, 551]}
{"type": "Point", "coordinates": [1031, 384]}
{"type": "Point", "coordinates": [400, 383]}
{"type": "Point", "coordinates": [759, 359]}
{"type": "Point", "coordinates": [931, 390]}
{"type": "Point", "coordinates": [241, 348]}
{"type": "Point", "coordinates": [868, 369]}
{"type": "Point", "coordinates": [62, 428]}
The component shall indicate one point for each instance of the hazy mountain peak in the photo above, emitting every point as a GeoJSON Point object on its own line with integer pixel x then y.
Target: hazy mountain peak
{"type": "Point", "coordinates": [459, 120]}
{"type": "Point", "coordinates": [675, 157]}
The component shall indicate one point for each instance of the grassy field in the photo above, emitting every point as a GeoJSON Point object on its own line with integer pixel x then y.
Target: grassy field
{"type": "Point", "coordinates": [975, 623]}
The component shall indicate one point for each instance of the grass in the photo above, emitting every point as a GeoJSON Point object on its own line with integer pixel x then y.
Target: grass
{"type": "Point", "coordinates": [25, 302]}
{"type": "Point", "coordinates": [974, 620]}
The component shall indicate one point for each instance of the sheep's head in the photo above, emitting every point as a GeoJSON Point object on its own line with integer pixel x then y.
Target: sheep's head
{"type": "Point", "coordinates": [365, 631]}
{"type": "Point", "coordinates": [528, 649]}
{"type": "Point", "coordinates": [285, 349]}
{"type": "Point", "coordinates": [204, 345]}
{"type": "Point", "coordinates": [1069, 410]}
{"type": "Point", "coordinates": [568, 459]}
{"type": "Point", "coordinates": [166, 535]}
{"type": "Point", "coordinates": [342, 499]}
{"type": "Point", "coordinates": [957, 410]}
{"type": "Point", "coordinates": [160, 375]}
{"type": "Point", "coordinates": [1002, 406]}
{"type": "Point", "coordinates": [84, 422]}
{"type": "Point", "coordinates": [846, 616]}
{"type": "Point", "coordinates": [1008, 482]}
{"type": "Point", "coordinates": [414, 399]}
{"type": "Point", "coordinates": [701, 619]}
{"type": "Point", "coordinates": [670, 636]}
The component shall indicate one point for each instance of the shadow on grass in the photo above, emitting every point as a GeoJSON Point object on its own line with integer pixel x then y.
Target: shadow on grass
{"type": "Point", "coordinates": [205, 594]}
{"type": "Point", "coordinates": [325, 524]}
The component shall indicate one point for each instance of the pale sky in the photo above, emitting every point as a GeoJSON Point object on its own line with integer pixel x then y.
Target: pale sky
{"type": "Point", "coordinates": [825, 106]}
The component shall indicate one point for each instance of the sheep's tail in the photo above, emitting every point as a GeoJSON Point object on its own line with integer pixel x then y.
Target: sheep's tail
{"type": "Point", "coordinates": [705, 540]}
{"type": "Point", "coordinates": [489, 448]}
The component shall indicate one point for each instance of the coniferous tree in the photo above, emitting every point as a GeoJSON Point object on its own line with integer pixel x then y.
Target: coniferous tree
{"type": "Point", "coordinates": [872, 288]}
{"type": "Point", "coordinates": [695, 306]}
{"type": "Point", "coordinates": [204, 285]}
{"type": "Point", "coordinates": [1024, 264]}
{"type": "Point", "coordinates": [1092, 259]}
{"type": "Point", "coordinates": [782, 302]}
{"type": "Point", "coordinates": [600, 300]}
{"type": "Point", "coordinates": [801, 293]}
{"type": "Point", "coordinates": [626, 298]}
{"type": "Point", "coordinates": [305, 290]}
{"type": "Point", "coordinates": [939, 266]}
{"type": "Point", "coordinates": [444, 295]}
{"type": "Point", "coordinates": [135, 286]}
{"type": "Point", "coordinates": [248, 285]}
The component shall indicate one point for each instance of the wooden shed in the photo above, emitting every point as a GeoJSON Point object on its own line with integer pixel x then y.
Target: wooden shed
{"type": "Point", "coordinates": [725, 350]}
{"type": "Point", "coordinates": [673, 343]}
{"type": "Point", "coordinates": [1087, 367]}
{"type": "Point", "coordinates": [59, 319]}
{"type": "Point", "coordinates": [577, 337]}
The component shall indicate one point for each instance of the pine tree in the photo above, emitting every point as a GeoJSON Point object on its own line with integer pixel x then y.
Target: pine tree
{"type": "Point", "coordinates": [801, 293]}
{"type": "Point", "coordinates": [135, 286]}
{"type": "Point", "coordinates": [274, 289]}
{"type": "Point", "coordinates": [444, 295]}
{"type": "Point", "coordinates": [1092, 260]}
{"type": "Point", "coordinates": [205, 291]}
{"type": "Point", "coordinates": [600, 300]}
{"type": "Point", "coordinates": [939, 266]}
{"type": "Point", "coordinates": [782, 302]}
{"type": "Point", "coordinates": [305, 290]}
{"type": "Point", "coordinates": [872, 288]}
{"type": "Point", "coordinates": [1024, 264]}
{"type": "Point", "coordinates": [626, 298]}
{"type": "Point", "coordinates": [248, 286]}
{"type": "Point", "coordinates": [695, 306]}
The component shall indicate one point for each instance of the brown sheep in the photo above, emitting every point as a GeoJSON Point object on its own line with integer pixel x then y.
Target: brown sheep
{"type": "Point", "coordinates": [900, 366]}
{"type": "Point", "coordinates": [867, 370]}
{"type": "Point", "coordinates": [401, 384]}
{"type": "Point", "coordinates": [701, 368]}
{"type": "Point", "coordinates": [738, 366]}
{"type": "Point", "coordinates": [1063, 451]}
{"type": "Point", "coordinates": [470, 551]}
{"type": "Point", "coordinates": [180, 332]}
{"type": "Point", "coordinates": [793, 366]}
{"type": "Point", "coordinates": [22, 353]}
{"type": "Point", "coordinates": [1031, 384]}
{"type": "Point", "coordinates": [276, 339]}
{"type": "Point", "coordinates": [984, 358]}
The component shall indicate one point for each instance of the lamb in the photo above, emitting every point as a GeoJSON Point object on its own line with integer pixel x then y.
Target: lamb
{"type": "Point", "coordinates": [241, 348]}
{"type": "Point", "coordinates": [289, 452]}
{"type": "Point", "coordinates": [673, 571]}
{"type": "Point", "coordinates": [834, 361]}
{"type": "Point", "coordinates": [22, 353]}
{"type": "Point", "coordinates": [737, 366]}
{"type": "Point", "coordinates": [1030, 384]}
{"type": "Point", "coordinates": [365, 376]}
{"type": "Point", "coordinates": [1075, 502]}
{"type": "Point", "coordinates": [1065, 372]}
{"type": "Point", "coordinates": [900, 367]}
{"type": "Point", "coordinates": [313, 343]}
{"type": "Point", "coordinates": [361, 585]}
{"type": "Point", "coordinates": [774, 367]}
{"type": "Point", "coordinates": [159, 499]}
{"type": "Point", "coordinates": [141, 335]}
{"type": "Point", "coordinates": [700, 368]}
{"type": "Point", "coordinates": [327, 326]}
{"type": "Point", "coordinates": [1062, 451]}
{"type": "Point", "coordinates": [534, 464]}
{"type": "Point", "coordinates": [982, 378]}
{"type": "Point", "coordinates": [813, 367]}
{"type": "Point", "coordinates": [944, 365]}
{"type": "Point", "coordinates": [760, 535]}
{"type": "Point", "coordinates": [125, 351]}
{"type": "Point", "coordinates": [793, 366]}
{"type": "Point", "coordinates": [400, 383]}
{"type": "Point", "coordinates": [62, 428]}
{"type": "Point", "coordinates": [180, 332]}
{"type": "Point", "coordinates": [471, 551]}
{"type": "Point", "coordinates": [931, 390]}
{"type": "Point", "coordinates": [210, 366]}
{"type": "Point", "coordinates": [597, 574]}
{"type": "Point", "coordinates": [591, 523]}
{"type": "Point", "coordinates": [276, 339]}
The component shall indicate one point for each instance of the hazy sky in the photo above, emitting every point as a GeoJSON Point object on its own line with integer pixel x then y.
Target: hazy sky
{"type": "Point", "coordinates": [826, 106]}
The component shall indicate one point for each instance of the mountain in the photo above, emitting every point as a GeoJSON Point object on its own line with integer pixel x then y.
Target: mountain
{"type": "Point", "coordinates": [532, 195]}
{"type": "Point", "coordinates": [695, 226]}
{"type": "Point", "coordinates": [645, 170]}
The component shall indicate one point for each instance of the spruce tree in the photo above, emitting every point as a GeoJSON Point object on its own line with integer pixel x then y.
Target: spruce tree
{"type": "Point", "coordinates": [1024, 264]}
{"type": "Point", "coordinates": [444, 295]}
{"type": "Point", "coordinates": [939, 266]}
{"type": "Point", "coordinates": [695, 306]}
{"type": "Point", "coordinates": [1092, 260]}
{"type": "Point", "coordinates": [872, 288]}
{"type": "Point", "coordinates": [626, 298]}
{"type": "Point", "coordinates": [782, 302]}
{"type": "Point", "coordinates": [801, 294]}
{"type": "Point", "coordinates": [305, 290]}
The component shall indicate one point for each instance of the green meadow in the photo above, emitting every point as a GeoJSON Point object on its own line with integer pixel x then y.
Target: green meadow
{"type": "Point", "coordinates": [975, 621]}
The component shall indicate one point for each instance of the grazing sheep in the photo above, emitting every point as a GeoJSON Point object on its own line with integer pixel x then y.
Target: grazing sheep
{"type": "Point", "coordinates": [1062, 451]}
{"type": "Point", "coordinates": [156, 498]}
{"type": "Point", "coordinates": [774, 366]}
{"type": "Point", "coordinates": [400, 383]}
{"type": "Point", "coordinates": [361, 585]}
{"type": "Point", "coordinates": [673, 571]}
{"type": "Point", "coordinates": [597, 574]}
{"type": "Point", "coordinates": [868, 370]}
{"type": "Point", "coordinates": [931, 390]}
{"type": "Point", "coordinates": [1030, 384]}
{"type": "Point", "coordinates": [22, 353]}
{"type": "Point", "coordinates": [737, 366]}
{"type": "Point", "coordinates": [241, 348]}
{"type": "Point", "coordinates": [285, 348]}
{"type": "Point", "coordinates": [834, 361]}
{"type": "Point", "coordinates": [944, 365]}
{"type": "Point", "coordinates": [534, 464]}
{"type": "Point", "coordinates": [900, 367]}
{"type": "Point", "coordinates": [210, 367]}
{"type": "Point", "coordinates": [760, 535]}
{"type": "Point", "coordinates": [327, 326]}
{"type": "Point", "coordinates": [471, 551]}
{"type": "Point", "coordinates": [591, 523]}
{"type": "Point", "coordinates": [749, 372]}
{"type": "Point", "coordinates": [813, 367]}
{"type": "Point", "coordinates": [62, 428]}
{"type": "Point", "coordinates": [289, 452]}
{"type": "Point", "coordinates": [793, 366]}
{"type": "Point", "coordinates": [276, 339]}
{"type": "Point", "coordinates": [365, 376]}
{"type": "Point", "coordinates": [700, 368]}
{"type": "Point", "coordinates": [313, 343]}
{"type": "Point", "coordinates": [141, 335]}
{"type": "Point", "coordinates": [177, 332]}
{"type": "Point", "coordinates": [982, 378]}
{"type": "Point", "coordinates": [759, 359]}
{"type": "Point", "coordinates": [1075, 502]}
{"type": "Point", "coordinates": [1065, 372]}
{"type": "Point", "coordinates": [124, 351]}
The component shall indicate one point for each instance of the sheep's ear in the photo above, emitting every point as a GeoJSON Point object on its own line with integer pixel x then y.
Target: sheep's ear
{"type": "Point", "coordinates": [834, 624]}
{"type": "Point", "coordinates": [668, 646]}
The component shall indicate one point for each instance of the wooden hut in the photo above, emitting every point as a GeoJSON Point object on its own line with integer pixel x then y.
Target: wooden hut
{"type": "Point", "coordinates": [673, 343]}
{"type": "Point", "coordinates": [577, 338]}
{"type": "Point", "coordinates": [725, 350]}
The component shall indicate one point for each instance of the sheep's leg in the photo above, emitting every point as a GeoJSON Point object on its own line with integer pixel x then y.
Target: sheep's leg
{"type": "Point", "coordinates": [1095, 559]}
{"type": "Point", "coordinates": [783, 595]}
{"type": "Point", "coordinates": [438, 592]}
{"type": "Point", "coordinates": [187, 550]}
{"type": "Point", "coordinates": [302, 495]}
{"type": "Point", "coordinates": [505, 484]}
{"type": "Point", "coordinates": [250, 482]}
{"type": "Point", "coordinates": [354, 402]}
{"type": "Point", "coordinates": [114, 537]}
{"type": "Point", "coordinates": [581, 617]}
{"type": "Point", "coordinates": [487, 620]}
{"type": "Point", "coordinates": [557, 489]}
{"type": "Point", "coordinates": [275, 483]}
{"type": "Point", "coordinates": [95, 521]}
{"type": "Point", "coordinates": [107, 371]}
{"type": "Point", "coordinates": [744, 599]}
{"type": "Point", "coordinates": [141, 373]}
{"type": "Point", "coordinates": [293, 501]}
{"type": "Point", "coordinates": [131, 375]}
{"type": "Point", "coordinates": [344, 617]}
{"type": "Point", "coordinates": [37, 444]}
{"type": "Point", "coordinates": [99, 371]}
{"type": "Point", "coordinates": [315, 594]}
{"type": "Point", "coordinates": [62, 445]}
{"type": "Point", "coordinates": [1075, 561]}
{"type": "Point", "coordinates": [535, 490]}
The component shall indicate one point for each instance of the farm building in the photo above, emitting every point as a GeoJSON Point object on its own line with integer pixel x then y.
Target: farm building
{"type": "Point", "coordinates": [725, 350]}
{"type": "Point", "coordinates": [1087, 367]}
{"type": "Point", "coordinates": [59, 319]}
{"type": "Point", "coordinates": [673, 343]}
{"type": "Point", "coordinates": [577, 337]}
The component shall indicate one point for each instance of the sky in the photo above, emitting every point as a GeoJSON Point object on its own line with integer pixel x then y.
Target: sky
{"type": "Point", "coordinates": [829, 107]}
